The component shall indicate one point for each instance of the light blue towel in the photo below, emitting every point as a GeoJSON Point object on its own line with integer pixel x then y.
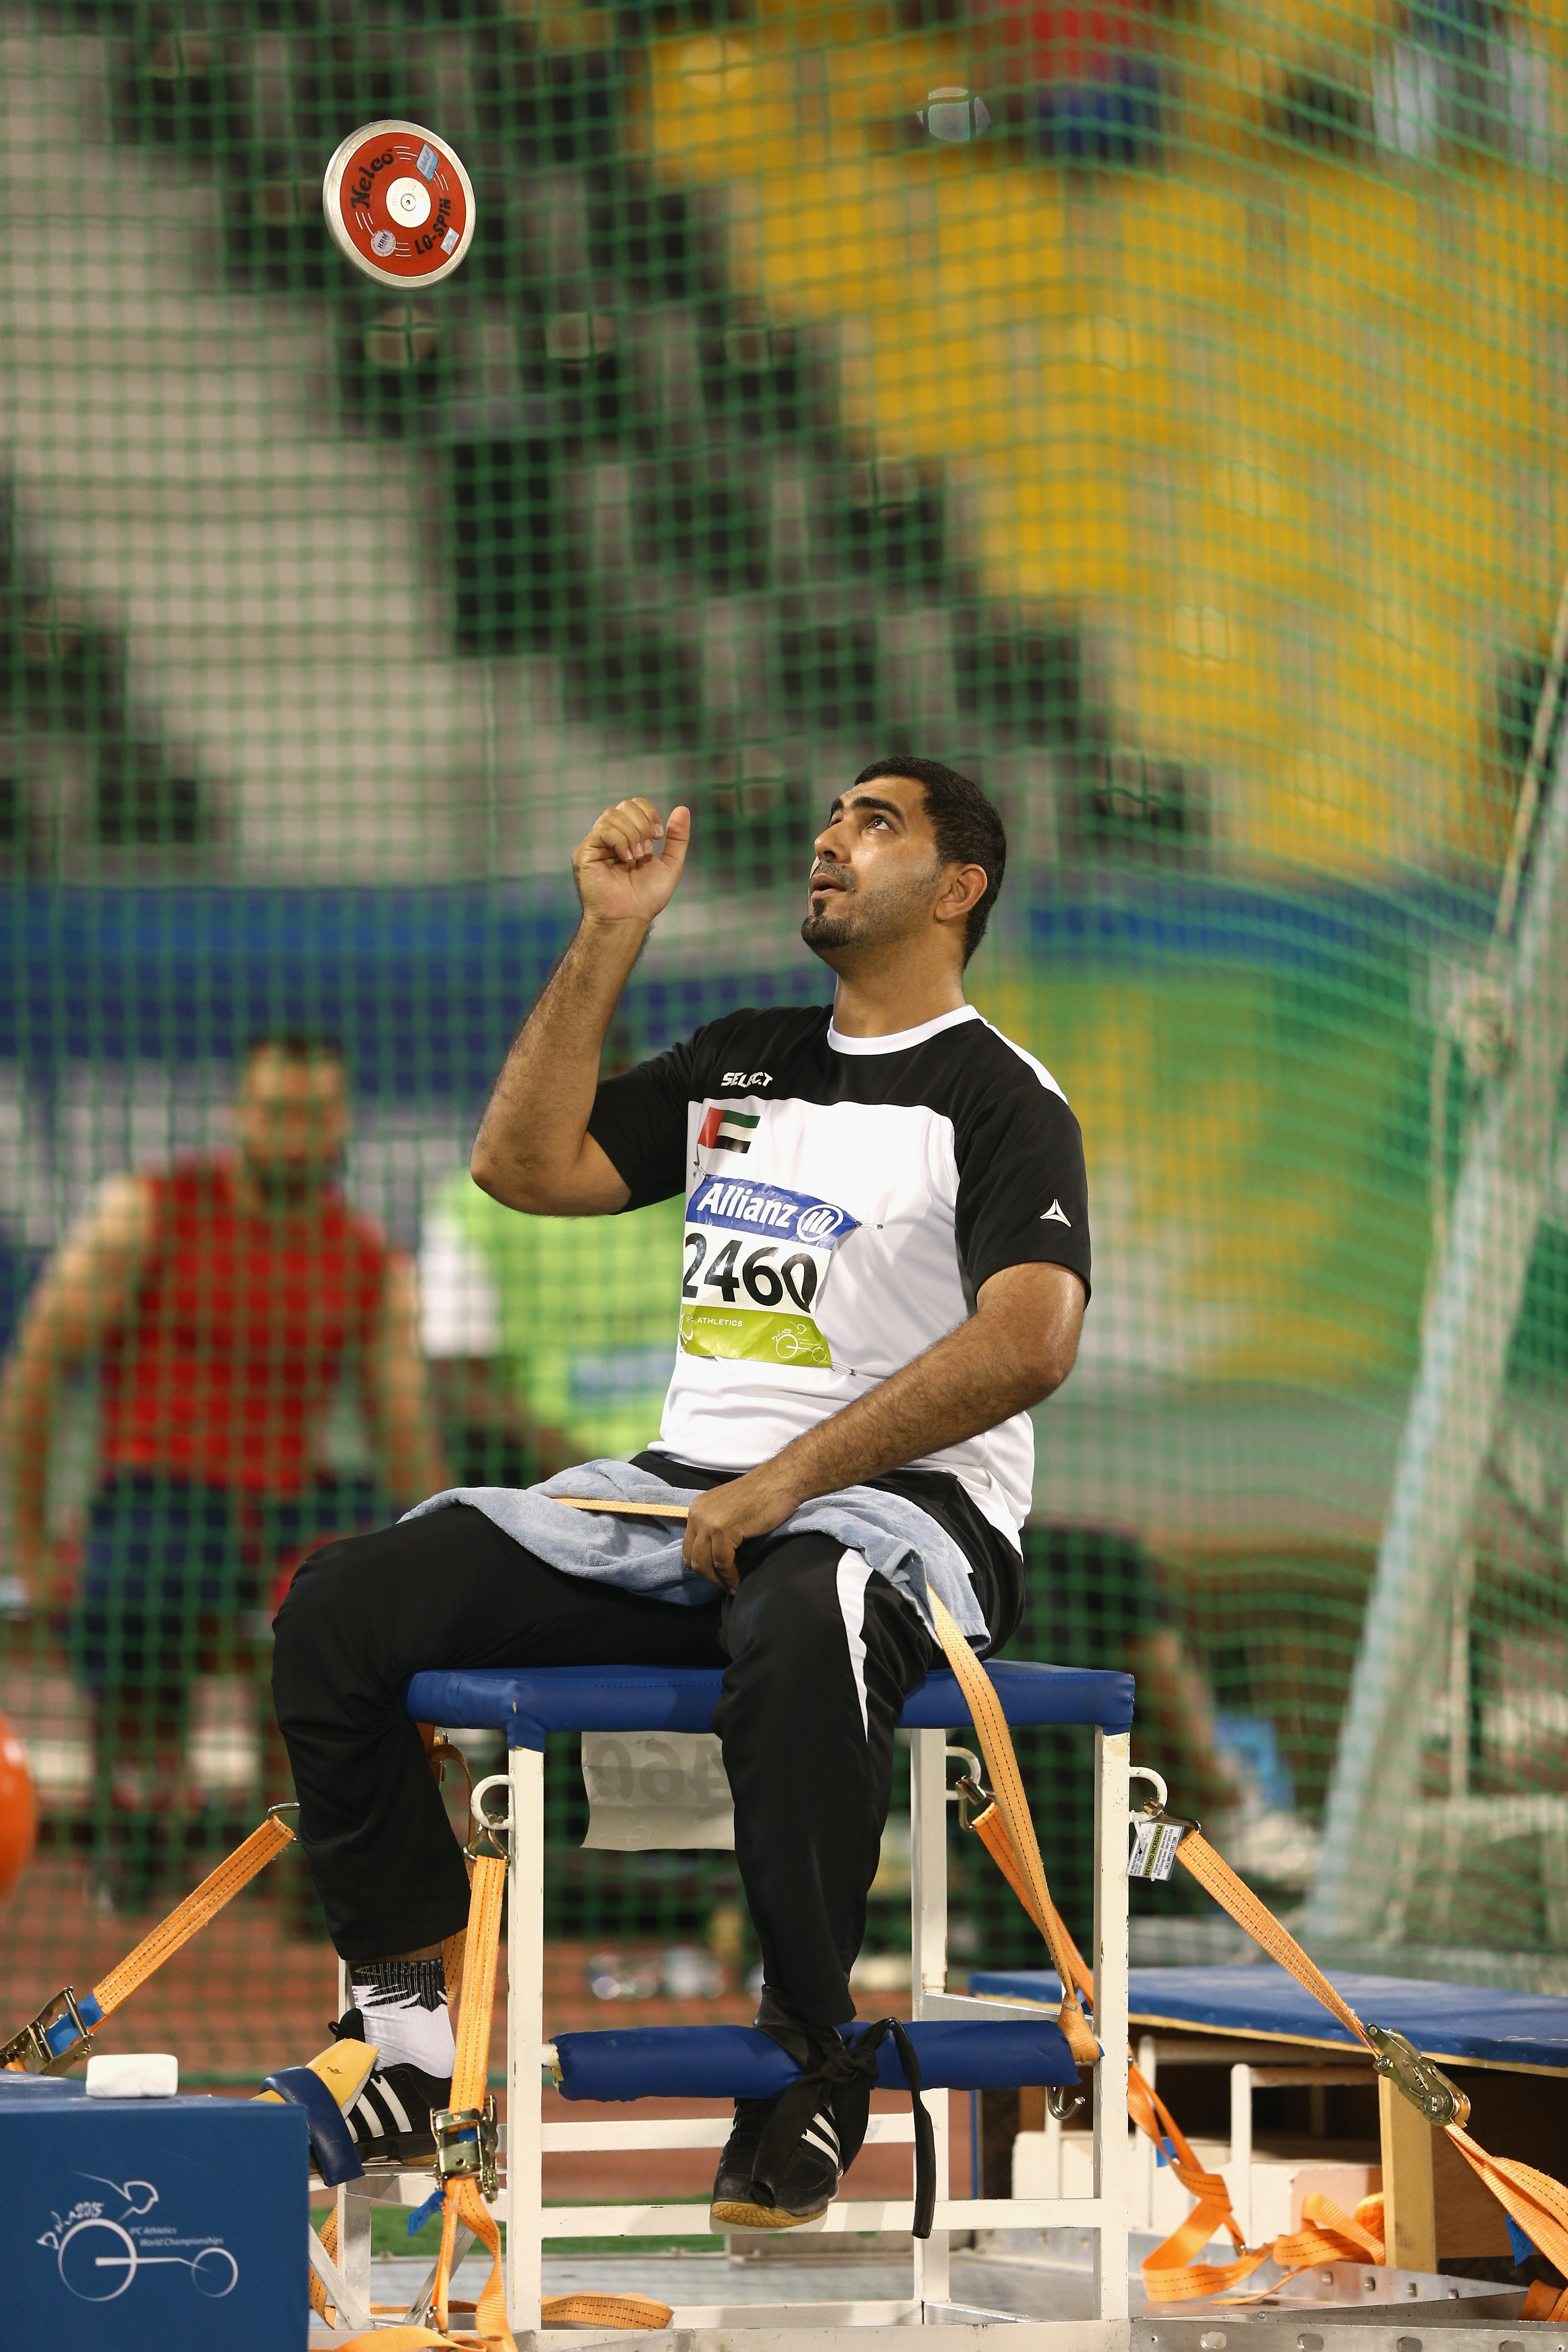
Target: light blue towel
{"type": "Point", "coordinates": [896, 1538]}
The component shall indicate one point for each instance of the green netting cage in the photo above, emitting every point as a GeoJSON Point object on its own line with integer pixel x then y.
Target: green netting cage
{"type": "Point", "coordinates": [1154, 408]}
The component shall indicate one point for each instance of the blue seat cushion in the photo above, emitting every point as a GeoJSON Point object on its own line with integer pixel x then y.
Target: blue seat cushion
{"type": "Point", "coordinates": [737, 2062]}
{"type": "Point", "coordinates": [528, 1702]}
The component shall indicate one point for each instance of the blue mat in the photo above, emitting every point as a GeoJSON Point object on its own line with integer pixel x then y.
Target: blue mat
{"type": "Point", "coordinates": [1474, 2024]}
{"type": "Point", "coordinates": [529, 1702]}
{"type": "Point", "coordinates": [737, 2062]}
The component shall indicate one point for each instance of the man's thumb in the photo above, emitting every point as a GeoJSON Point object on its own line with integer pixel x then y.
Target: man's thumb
{"type": "Point", "coordinates": [677, 839]}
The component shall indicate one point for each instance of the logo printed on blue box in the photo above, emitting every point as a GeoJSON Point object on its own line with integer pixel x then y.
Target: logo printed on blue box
{"type": "Point", "coordinates": [100, 2243]}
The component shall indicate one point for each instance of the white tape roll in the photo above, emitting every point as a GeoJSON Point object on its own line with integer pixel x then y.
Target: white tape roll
{"type": "Point", "coordinates": [138, 2075]}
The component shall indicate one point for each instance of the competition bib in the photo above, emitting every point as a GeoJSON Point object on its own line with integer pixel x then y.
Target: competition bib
{"type": "Point", "coordinates": [756, 1259]}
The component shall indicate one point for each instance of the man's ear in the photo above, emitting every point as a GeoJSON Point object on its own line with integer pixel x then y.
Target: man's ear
{"type": "Point", "coordinates": [964, 888]}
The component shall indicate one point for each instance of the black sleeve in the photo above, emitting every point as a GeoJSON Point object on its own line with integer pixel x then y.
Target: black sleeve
{"type": "Point", "coordinates": [639, 1120]}
{"type": "Point", "coordinates": [1023, 1195]}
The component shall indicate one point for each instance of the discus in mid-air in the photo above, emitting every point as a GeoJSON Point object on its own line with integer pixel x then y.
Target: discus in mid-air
{"type": "Point", "coordinates": [399, 203]}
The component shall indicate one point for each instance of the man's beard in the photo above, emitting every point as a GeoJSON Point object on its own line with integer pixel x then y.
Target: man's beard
{"type": "Point", "coordinates": [833, 928]}
{"type": "Point", "coordinates": [889, 915]}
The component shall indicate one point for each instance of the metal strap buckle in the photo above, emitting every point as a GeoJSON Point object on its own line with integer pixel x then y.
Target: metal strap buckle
{"type": "Point", "coordinates": [1416, 2079]}
{"type": "Point", "coordinates": [1157, 1832]}
{"type": "Point", "coordinates": [1156, 1836]}
{"type": "Point", "coordinates": [31, 2052]}
{"type": "Point", "coordinates": [466, 2143]}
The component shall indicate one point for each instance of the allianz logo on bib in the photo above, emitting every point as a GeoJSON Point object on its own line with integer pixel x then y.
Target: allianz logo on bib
{"type": "Point", "coordinates": [791, 1216]}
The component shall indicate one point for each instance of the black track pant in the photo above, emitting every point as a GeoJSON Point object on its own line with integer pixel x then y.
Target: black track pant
{"type": "Point", "coordinates": [818, 1654]}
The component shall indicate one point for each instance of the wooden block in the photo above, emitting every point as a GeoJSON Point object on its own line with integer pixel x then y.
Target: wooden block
{"type": "Point", "coordinates": [1471, 2222]}
{"type": "Point", "coordinates": [1409, 2211]}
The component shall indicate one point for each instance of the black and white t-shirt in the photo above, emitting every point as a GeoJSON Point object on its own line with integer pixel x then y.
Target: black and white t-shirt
{"type": "Point", "coordinates": [845, 1199]}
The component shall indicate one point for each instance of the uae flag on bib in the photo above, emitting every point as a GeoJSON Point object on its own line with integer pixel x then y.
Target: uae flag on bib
{"type": "Point", "coordinates": [729, 1130]}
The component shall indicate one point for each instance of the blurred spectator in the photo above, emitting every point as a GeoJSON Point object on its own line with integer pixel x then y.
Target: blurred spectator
{"type": "Point", "coordinates": [1092, 75]}
{"type": "Point", "coordinates": [221, 1301]}
{"type": "Point", "coordinates": [550, 1339]}
{"type": "Point", "coordinates": [1459, 71]}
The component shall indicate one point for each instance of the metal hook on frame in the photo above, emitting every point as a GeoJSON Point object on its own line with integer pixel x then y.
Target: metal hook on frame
{"type": "Point", "coordinates": [968, 1789]}
{"type": "Point", "coordinates": [492, 1831]}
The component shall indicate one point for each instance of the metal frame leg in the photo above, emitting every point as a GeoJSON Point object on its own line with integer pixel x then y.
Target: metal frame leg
{"type": "Point", "coordinates": [1241, 2148]}
{"type": "Point", "coordinates": [1144, 2168]}
{"type": "Point", "coordinates": [1111, 2155]}
{"type": "Point", "coordinates": [928, 1969]}
{"type": "Point", "coordinates": [352, 2309]}
{"type": "Point", "coordinates": [524, 2041]}
{"type": "Point", "coordinates": [353, 2212]}
{"type": "Point", "coordinates": [354, 2240]}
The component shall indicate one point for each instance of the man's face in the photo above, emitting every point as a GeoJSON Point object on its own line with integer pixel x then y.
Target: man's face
{"type": "Point", "coordinates": [875, 873]}
{"type": "Point", "coordinates": [291, 1119]}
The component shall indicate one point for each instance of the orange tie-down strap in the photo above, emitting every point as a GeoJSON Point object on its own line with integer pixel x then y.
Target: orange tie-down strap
{"type": "Point", "coordinates": [1536, 2203]}
{"type": "Point", "coordinates": [463, 2202]}
{"type": "Point", "coordinates": [218, 1888]}
{"type": "Point", "coordinates": [464, 2205]}
{"type": "Point", "coordinates": [1171, 2273]}
{"type": "Point", "coordinates": [198, 1910]}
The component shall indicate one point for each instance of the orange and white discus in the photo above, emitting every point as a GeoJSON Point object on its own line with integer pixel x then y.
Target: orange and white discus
{"type": "Point", "coordinates": [399, 203]}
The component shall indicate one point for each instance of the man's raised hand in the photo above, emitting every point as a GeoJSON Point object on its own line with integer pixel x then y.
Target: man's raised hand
{"type": "Point", "coordinates": [621, 877]}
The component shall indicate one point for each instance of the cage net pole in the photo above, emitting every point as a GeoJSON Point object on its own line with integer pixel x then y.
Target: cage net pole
{"type": "Point", "coordinates": [1371, 1838]}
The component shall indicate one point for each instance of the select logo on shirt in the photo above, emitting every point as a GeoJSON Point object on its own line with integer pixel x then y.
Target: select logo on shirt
{"type": "Point", "coordinates": [755, 1256]}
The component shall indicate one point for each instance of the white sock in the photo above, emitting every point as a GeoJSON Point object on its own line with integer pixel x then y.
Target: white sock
{"type": "Point", "coordinates": [404, 2006]}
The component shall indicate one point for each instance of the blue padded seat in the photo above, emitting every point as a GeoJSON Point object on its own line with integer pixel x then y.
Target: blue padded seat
{"type": "Point", "coordinates": [528, 1702]}
{"type": "Point", "coordinates": [737, 2062]}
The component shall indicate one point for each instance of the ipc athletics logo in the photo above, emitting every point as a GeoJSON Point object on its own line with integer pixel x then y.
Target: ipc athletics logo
{"type": "Point", "coordinates": [98, 2259]}
{"type": "Point", "coordinates": [802, 1343]}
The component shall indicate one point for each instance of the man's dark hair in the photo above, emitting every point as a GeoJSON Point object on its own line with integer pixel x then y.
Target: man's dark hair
{"type": "Point", "coordinates": [968, 830]}
{"type": "Point", "coordinates": [292, 1045]}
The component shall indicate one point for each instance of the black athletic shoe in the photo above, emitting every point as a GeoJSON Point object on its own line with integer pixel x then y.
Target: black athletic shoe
{"type": "Point", "coordinates": [390, 2119]}
{"type": "Point", "coordinates": [733, 2182]}
{"type": "Point", "coordinates": [806, 2186]}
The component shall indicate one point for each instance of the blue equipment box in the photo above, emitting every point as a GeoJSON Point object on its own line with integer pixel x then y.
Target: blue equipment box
{"type": "Point", "coordinates": [130, 2225]}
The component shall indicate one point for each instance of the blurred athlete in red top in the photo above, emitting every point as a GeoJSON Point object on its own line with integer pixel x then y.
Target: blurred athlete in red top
{"type": "Point", "coordinates": [222, 1301]}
